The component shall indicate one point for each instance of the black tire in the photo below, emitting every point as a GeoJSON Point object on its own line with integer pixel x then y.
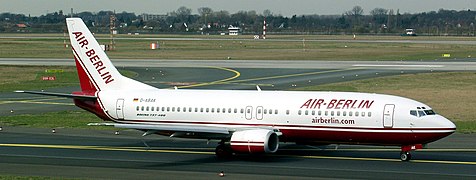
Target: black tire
{"type": "Point", "coordinates": [405, 156]}
{"type": "Point", "coordinates": [223, 152]}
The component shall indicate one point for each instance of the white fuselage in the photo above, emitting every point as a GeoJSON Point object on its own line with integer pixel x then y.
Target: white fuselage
{"type": "Point", "coordinates": [328, 117]}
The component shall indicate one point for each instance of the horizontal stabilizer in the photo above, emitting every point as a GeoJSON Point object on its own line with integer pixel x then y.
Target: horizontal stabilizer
{"type": "Point", "coordinates": [74, 96]}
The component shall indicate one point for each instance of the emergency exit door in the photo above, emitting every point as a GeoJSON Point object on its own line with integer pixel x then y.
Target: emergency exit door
{"type": "Point", "coordinates": [388, 112]}
{"type": "Point", "coordinates": [120, 108]}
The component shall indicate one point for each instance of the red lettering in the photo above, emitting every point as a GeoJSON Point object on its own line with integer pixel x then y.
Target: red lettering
{"type": "Point", "coordinates": [94, 58]}
{"type": "Point", "coordinates": [77, 34]}
{"type": "Point", "coordinates": [339, 103]}
{"type": "Point", "coordinates": [318, 104]}
{"type": "Point", "coordinates": [307, 103]}
{"type": "Point", "coordinates": [353, 104]}
{"type": "Point", "coordinates": [367, 104]}
{"type": "Point", "coordinates": [347, 104]}
{"type": "Point", "coordinates": [90, 53]}
{"type": "Point", "coordinates": [98, 64]}
{"type": "Point", "coordinates": [331, 104]}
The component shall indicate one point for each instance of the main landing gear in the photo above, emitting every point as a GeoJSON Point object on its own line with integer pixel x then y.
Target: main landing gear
{"type": "Point", "coordinates": [223, 151]}
{"type": "Point", "coordinates": [405, 154]}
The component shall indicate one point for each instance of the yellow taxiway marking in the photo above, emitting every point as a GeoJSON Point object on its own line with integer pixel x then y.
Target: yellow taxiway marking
{"type": "Point", "coordinates": [135, 149]}
{"type": "Point", "coordinates": [291, 75]}
{"type": "Point", "coordinates": [237, 74]}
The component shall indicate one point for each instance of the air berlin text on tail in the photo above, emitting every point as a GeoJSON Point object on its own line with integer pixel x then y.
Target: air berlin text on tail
{"type": "Point", "coordinates": [95, 60]}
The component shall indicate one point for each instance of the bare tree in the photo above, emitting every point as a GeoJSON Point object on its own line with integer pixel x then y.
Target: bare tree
{"type": "Point", "coordinates": [355, 11]}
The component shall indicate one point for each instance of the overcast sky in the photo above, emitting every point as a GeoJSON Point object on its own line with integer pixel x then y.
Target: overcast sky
{"type": "Point", "coordinates": [283, 7]}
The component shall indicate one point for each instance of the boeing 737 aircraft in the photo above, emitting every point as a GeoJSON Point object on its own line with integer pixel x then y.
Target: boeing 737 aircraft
{"type": "Point", "coordinates": [247, 121]}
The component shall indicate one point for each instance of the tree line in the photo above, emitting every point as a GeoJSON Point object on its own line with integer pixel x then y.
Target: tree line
{"type": "Point", "coordinates": [208, 21]}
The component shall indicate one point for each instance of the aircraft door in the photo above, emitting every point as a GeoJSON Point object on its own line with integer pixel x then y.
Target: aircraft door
{"type": "Point", "coordinates": [259, 113]}
{"type": "Point", "coordinates": [388, 112]}
{"type": "Point", "coordinates": [120, 108]}
{"type": "Point", "coordinates": [248, 112]}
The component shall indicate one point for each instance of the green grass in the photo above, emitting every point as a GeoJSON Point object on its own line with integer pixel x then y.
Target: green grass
{"type": "Point", "coordinates": [61, 119]}
{"type": "Point", "coordinates": [216, 48]}
{"type": "Point", "coordinates": [30, 77]}
{"type": "Point", "coordinates": [450, 94]}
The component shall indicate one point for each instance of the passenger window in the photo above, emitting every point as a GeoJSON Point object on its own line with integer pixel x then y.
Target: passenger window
{"type": "Point", "coordinates": [168, 109]}
{"type": "Point", "coordinates": [306, 112]}
{"type": "Point", "coordinates": [223, 110]}
{"type": "Point", "coordinates": [287, 112]}
{"type": "Point", "coordinates": [190, 109]}
{"type": "Point", "coordinates": [147, 108]}
{"type": "Point", "coordinates": [363, 114]}
{"type": "Point", "coordinates": [178, 109]}
{"type": "Point", "coordinates": [259, 111]}
{"type": "Point", "coordinates": [218, 110]}
{"type": "Point", "coordinates": [229, 110]}
{"type": "Point", "coordinates": [137, 108]}
{"type": "Point", "coordinates": [313, 112]}
{"type": "Point", "coordinates": [242, 111]}
{"type": "Point", "coordinates": [270, 111]}
{"type": "Point", "coordinates": [201, 109]}
{"type": "Point", "coordinates": [207, 110]}
{"type": "Point", "coordinates": [369, 114]}
{"type": "Point", "coordinates": [265, 111]}
{"type": "Point", "coordinates": [319, 112]}
{"type": "Point", "coordinates": [332, 113]}
{"type": "Point", "coordinates": [338, 113]}
{"type": "Point", "coordinates": [356, 114]}
{"type": "Point", "coordinates": [350, 113]}
{"type": "Point", "coordinates": [163, 108]}
{"type": "Point", "coordinates": [299, 112]}
{"type": "Point", "coordinates": [158, 109]}
{"type": "Point", "coordinates": [248, 111]}
{"type": "Point", "coordinates": [275, 111]}
{"type": "Point", "coordinates": [325, 113]}
{"type": "Point", "coordinates": [213, 110]}
{"type": "Point", "coordinates": [344, 113]}
{"type": "Point", "coordinates": [173, 109]}
{"type": "Point", "coordinates": [196, 109]}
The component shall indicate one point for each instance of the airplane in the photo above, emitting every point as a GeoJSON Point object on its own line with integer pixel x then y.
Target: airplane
{"type": "Point", "coordinates": [247, 121]}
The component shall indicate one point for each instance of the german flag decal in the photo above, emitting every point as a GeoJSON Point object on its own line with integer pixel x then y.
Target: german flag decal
{"type": "Point", "coordinates": [136, 100]}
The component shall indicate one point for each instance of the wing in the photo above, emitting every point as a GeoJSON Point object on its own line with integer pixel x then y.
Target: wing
{"type": "Point", "coordinates": [175, 130]}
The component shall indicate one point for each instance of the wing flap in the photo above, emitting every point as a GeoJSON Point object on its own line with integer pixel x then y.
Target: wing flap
{"type": "Point", "coordinates": [171, 127]}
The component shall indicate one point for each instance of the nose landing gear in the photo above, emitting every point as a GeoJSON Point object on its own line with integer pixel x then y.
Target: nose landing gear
{"type": "Point", "coordinates": [405, 154]}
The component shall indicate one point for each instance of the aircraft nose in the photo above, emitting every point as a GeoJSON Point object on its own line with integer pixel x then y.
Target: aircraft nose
{"type": "Point", "coordinates": [446, 123]}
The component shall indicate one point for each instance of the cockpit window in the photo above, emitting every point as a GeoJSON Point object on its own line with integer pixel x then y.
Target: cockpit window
{"type": "Point", "coordinates": [430, 112]}
{"type": "Point", "coordinates": [421, 112]}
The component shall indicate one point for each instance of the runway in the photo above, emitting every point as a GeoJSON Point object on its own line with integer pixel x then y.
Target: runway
{"type": "Point", "coordinates": [101, 154]}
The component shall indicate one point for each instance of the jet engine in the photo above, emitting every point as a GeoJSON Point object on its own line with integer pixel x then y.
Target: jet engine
{"type": "Point", "coordinates": [254, 141]}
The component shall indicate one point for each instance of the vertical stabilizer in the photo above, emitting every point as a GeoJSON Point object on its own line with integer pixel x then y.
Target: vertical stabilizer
{"type": "Point", "coordinates": [95, 70]}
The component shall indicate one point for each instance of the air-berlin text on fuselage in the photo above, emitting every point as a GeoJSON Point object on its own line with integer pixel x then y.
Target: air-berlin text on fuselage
{"type": "Point", "coordinates": [95, 60]}
{"type": "Point", "coordinates": [337, 104]}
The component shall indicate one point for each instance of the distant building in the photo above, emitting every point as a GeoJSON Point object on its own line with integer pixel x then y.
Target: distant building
{"type": "Point", "coordinates": [233, 31]}
{"type": "Point", "coordinates": [148, 17]}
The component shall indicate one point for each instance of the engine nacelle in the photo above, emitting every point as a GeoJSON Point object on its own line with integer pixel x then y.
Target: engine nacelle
{"type": "Point", "coordinates": [254, 141]}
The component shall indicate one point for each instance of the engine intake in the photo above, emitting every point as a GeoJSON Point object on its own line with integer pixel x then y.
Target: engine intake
{"type": "Point", "coordinates": [254, 141]}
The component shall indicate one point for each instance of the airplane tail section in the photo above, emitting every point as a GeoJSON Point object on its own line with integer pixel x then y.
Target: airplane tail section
{"type": "Point", "coordinates": [95, 70]}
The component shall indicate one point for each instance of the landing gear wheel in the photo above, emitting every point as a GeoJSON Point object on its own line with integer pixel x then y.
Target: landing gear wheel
{"type": "Point", "coordinates": [223, 152]}
{"type": "Point", "coordinates": [405, 156]}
